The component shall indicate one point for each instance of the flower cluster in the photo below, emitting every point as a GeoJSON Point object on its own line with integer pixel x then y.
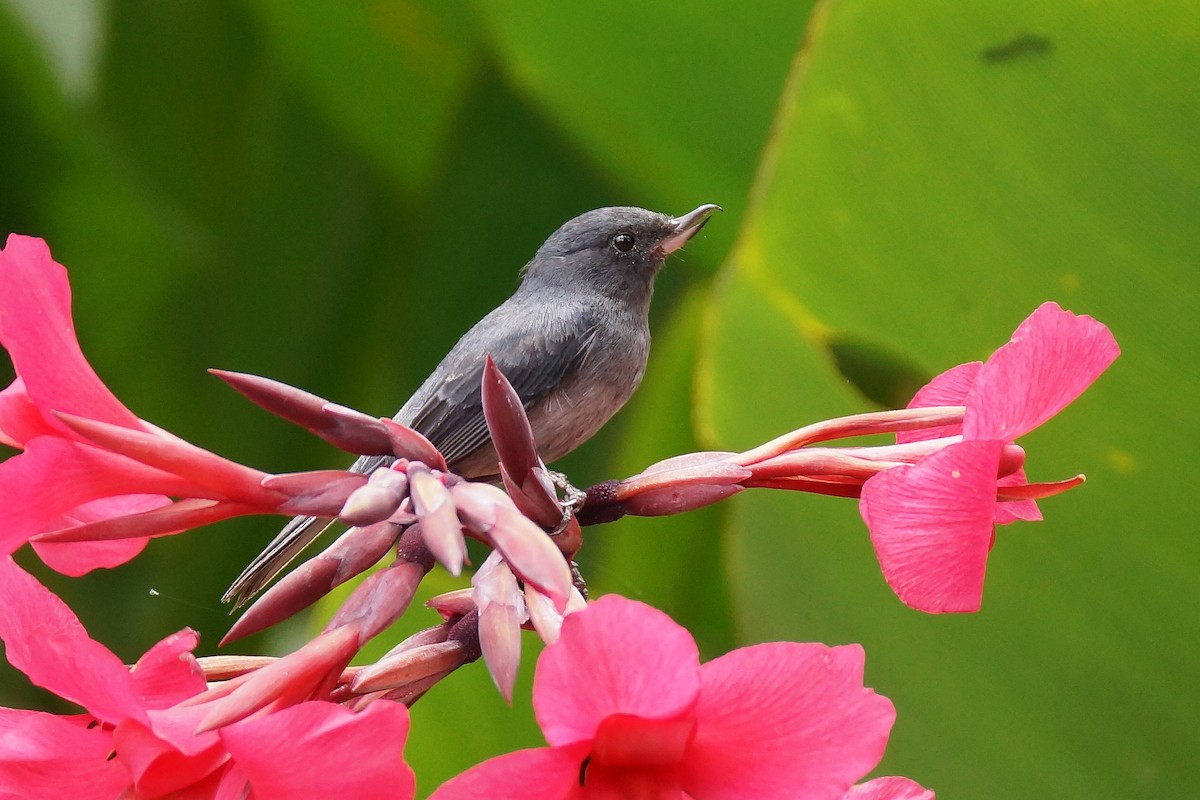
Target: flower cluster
{"type": "Point", "coordinates": [145, 731]}
{"type": "Point", "coordinates": [933, 522]}
{"type": "Point", "coordinates": [626, 706]}
{"type": "Point", "coordinates": [629, 711]}
{"type": "Point", "coordinates": [932, 500]}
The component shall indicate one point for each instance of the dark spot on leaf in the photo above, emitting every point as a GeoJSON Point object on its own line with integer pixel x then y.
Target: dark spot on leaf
{"type": "Point", "coordinates": [1026, 44]}
{"type": "Point", "coordinates": [884, 375]}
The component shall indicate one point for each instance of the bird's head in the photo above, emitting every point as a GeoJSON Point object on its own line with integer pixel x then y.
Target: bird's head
{"type": "Point", "coordinates": [617, 250]}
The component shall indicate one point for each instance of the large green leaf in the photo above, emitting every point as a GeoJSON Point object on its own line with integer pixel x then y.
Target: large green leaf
{"type": "Point", "coordinates": [331, 196]}
{"type": "Point", "coordinates": [936, 172]}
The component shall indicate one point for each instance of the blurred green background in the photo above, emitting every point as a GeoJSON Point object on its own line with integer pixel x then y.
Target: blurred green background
{"type": "Point", "coordinates": [331, 193]}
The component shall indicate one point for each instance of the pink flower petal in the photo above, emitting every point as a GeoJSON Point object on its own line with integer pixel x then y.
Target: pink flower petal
{"type": "Point", "coordinates": [47, 757]}
{"type": "Point", "coordinates": [175, 729]}
{"type": "Point", "coordinates": [157, 764]}
{"type": "Point", "coordinates": [500, 640]}
{"type": "Point", "coordinates": [1053, 356]}
{"type": "Point", "coordinates": [408, 666]}
{"type": "Point", "coordinates": [627, 742]}
{"type": "Point", "coordinates": [1017, 511]}
{"type": "Point", "coordinates": [544, 617]}
{"type": "Point", "coordinates": [621, 783]}
{"type": "Point", "coordinates": [617, 656]}
{"type": "Point", "coordinates": [407, 443]}
{"type": "Point", "coordinates": [37, 330]}
{"type": "Point", "coordinates": [54, 477]}
{"type": "Point", "coordinates": [379, 600]}
{"type": "Point", "coordinates": [164, 520]}
{"type": "Point", "coordinates": [20, 419]}
{"type": "Point", "coordinates": [891, 788]}
{"type": "Point", "coordinates": [376, 500]}
{"type": "Point", "coordinates": [320, 749]}
{"type": "Point", "coordinates": [932, 525]}
{"type": "Point", "coordinates": [46, 641]}
{"type": "Point", "coordinates": [299, 589]}
{"type": "Point", "coordinates": [228, 783]}
{"type": "Point", "coordinates": [539, 774]}
{"type": "Point", "coordinates": [342, 427]}
{"type": "Point", "coordinates": [168, 673]}
{"type": "Point", "coordinates": [315, 493]}
{"type": "Point", "coordinates": [785, 720]}
{"type": "Point", "coordinates": [948, 389]}
{"type": "Point", "coordinates": [290, 679]}
{"type": "Point", "coordinates": [1013, 510]}
{"type": "Point", "coordinates": [79, 558]}
{"type": "Point", "coordinates": [440, 527]}
{"type": "Point", "coordinates": [531, 554]}
{"type": "Point", "coordinates": [220, 478]}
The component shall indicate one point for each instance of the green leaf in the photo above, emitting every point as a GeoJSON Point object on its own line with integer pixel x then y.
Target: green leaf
{"type": "Point", "coordinates": [936, 172]}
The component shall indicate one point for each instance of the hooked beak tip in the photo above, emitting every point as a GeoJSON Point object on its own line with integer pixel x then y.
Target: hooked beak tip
{"type": "Point", "coordinates": [687, 226]}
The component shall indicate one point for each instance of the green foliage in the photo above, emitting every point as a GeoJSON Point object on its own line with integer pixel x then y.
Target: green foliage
{"type": "Point", "coordinates": [330, 194]}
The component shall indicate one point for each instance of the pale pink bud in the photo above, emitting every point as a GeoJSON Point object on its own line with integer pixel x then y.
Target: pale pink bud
{"type": "Point", "coordinates": [440, 526]}
{"type": "Point", "coordinates": [501, 613]}
{"type": "Point", "coordinates": [379, 499]}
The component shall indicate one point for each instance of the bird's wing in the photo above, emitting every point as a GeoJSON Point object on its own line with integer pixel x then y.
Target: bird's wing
{"type": "Point", "coordinates": [287, 544]}
{"type": "Point", "coordinates": [449, 412]}
{"type": "Point", "coordinates": [535, 362]}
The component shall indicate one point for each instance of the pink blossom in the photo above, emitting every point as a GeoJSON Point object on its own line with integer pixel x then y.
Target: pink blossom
{"type": "Point", "coordinates": [628, 710]}
{"type": "Point", "coordinates": [37, 330]}
{"type": "Point", "coordinates": [95, 481]}
{"type": "Point", "coordinates": [89, 463]}
{"type": "Point", "coordinates": [137, 737]}
{"type": "Point", "coordinates": [891, 788]}
{"type": "Point", "coordinates": [93, 467]}
{"type": "Point", "coordinates": [52, 375]}
{"type": "Point", "coordinates": [932, 522]}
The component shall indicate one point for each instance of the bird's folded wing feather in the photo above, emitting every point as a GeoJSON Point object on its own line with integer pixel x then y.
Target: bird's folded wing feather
{"type": "Point", "coordinates": [450, 413]}
{"type": "Point", "coordinates": [448, 410]}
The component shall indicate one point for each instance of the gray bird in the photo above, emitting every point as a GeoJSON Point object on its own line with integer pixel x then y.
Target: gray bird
{"type": "Point", "coordinates": [572, 340]}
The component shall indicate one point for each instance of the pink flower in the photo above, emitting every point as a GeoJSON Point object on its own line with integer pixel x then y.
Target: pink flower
{"type": "Point", "coordinates": [891, 788]}
{"type": "Point", "coordinates": [629, 711]}
{"type": "Point", "coordinates": [90, 465]}
{"type": "Point", "coordinates": [52, 375]}
{"type": "Point", "coordinates": [933, 523]}
{"type": "Point", "coordinates": [138, 737]}
{"type": "Point", "coordinates": [37, 330]}
{"type": "Point", "coordinates": [88, 460]}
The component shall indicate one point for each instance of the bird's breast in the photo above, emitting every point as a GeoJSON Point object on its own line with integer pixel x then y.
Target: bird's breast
{"type": "Point", "coordinates": [587, 398]}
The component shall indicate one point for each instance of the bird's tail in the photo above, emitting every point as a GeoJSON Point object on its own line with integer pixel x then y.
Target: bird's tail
{"type": "Point", "coordinates": [286, 545]}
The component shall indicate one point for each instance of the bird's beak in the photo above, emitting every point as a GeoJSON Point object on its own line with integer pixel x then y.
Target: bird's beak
{"type": "Point", "coordinates": [685, 227]}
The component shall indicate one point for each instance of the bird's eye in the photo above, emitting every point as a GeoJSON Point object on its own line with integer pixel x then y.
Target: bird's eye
{"type": "Point", "coordinates": [623, 242]}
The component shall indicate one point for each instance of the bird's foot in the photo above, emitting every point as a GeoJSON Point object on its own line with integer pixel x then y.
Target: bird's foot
{"type": "Point", "coordinates": [577, 579]}
{"type": "Point", "coordinates": [571, 499]}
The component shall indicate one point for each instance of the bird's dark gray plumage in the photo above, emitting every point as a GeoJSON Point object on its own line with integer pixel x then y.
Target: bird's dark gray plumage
{"type": "Point", "coordinates": [572, 340]}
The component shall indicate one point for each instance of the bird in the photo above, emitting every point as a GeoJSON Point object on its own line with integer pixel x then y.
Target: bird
{"type": "Point", "coordinates": [573, 340]}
